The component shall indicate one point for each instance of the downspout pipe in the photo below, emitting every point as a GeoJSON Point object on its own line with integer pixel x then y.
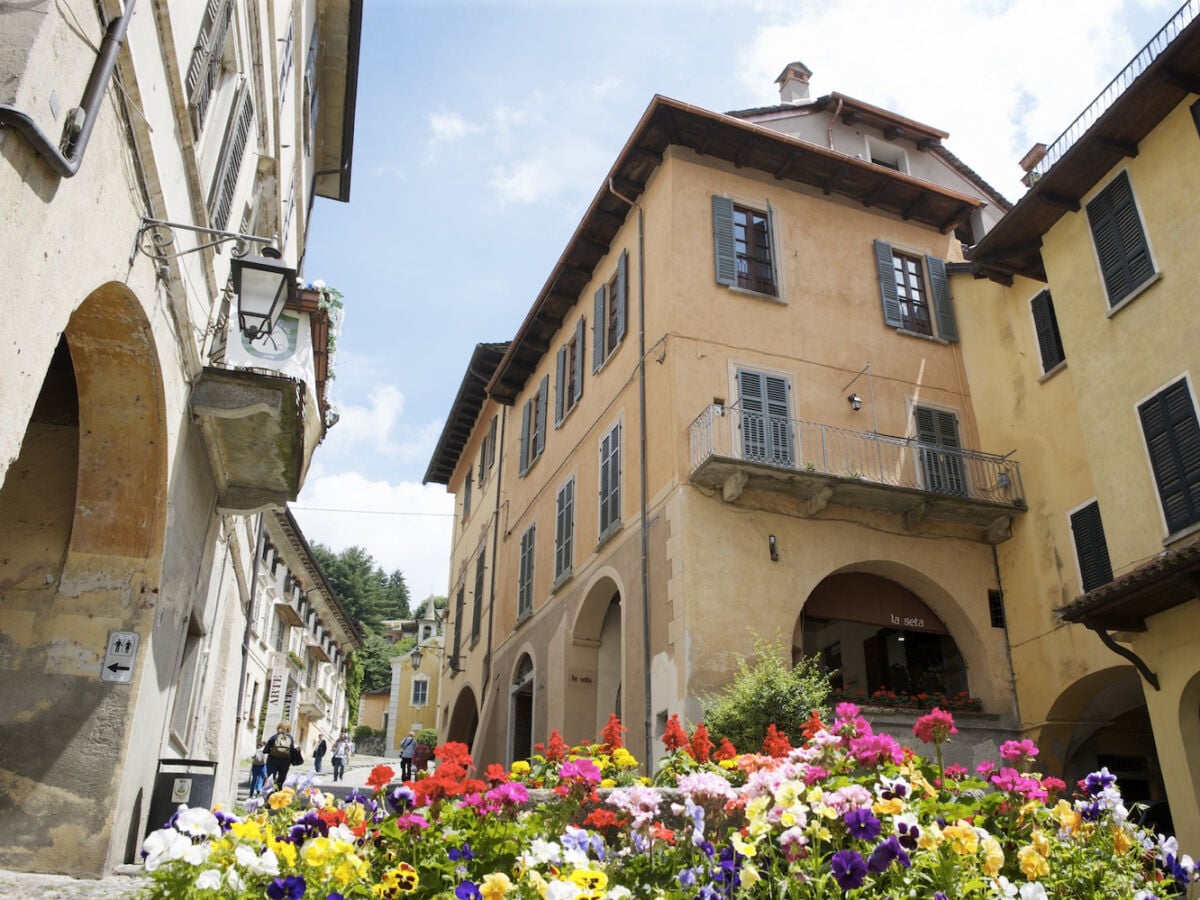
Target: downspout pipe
{"type": "Point", "coordinates": [81, 120]}
{"type": "Point", "coordinates": [644, 501]}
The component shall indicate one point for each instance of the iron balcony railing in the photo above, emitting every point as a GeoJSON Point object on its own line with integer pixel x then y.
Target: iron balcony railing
{"type": "Point", "coordinates": [1184, 17]}
{"type": "Point", "coordinates": [725, 432]}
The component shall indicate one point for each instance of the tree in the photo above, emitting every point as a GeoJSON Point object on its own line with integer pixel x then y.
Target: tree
{"type": "Point", "coordinates": [396, 599]}
{"type": "Point", "coordinates": [765, 693]}
{"type": "Point", "coordinates": [354, 680]}
{"type": "Point", "coordinates": [368, 595]}
{"type": "Point", "coordinates": [375, 657]}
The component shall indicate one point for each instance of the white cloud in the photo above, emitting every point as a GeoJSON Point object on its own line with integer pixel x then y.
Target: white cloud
{"type": "Point", "coordinates": [405, 526]}
{"type": "Point", "coordinates": [376, 429]}
{"type": "Point", "coordinates": [446, 128]}
{"type": "Point", "coordinates": [563, 164]}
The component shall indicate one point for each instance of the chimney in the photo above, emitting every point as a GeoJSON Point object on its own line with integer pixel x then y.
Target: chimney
{"type": "Point", "coordinates": [793, 83]}
{"type": "Point", "coordinates": [1029, 162]}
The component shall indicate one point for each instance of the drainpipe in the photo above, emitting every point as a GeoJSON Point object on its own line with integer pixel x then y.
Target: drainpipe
{"type": "Point", "coordinates": [487, 658]}
{"type": "Point", "coordinates": [642, 465]}
{"type": "Point", "coordinates": [833, 119]}
{"type": "Point", "coordinates": [82, 119]}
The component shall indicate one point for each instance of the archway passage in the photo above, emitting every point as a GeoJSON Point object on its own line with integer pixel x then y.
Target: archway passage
{"type": "Point", "coordinates": [83, 510]}
{"type": "Point", "coordinates": [521, 711]}
{"type": "Point", "coordinates": [464, 720]}
{"type": "Point", "coordinates": [595, 667]}
{"type": "Point", "coordinates": [873, 634]}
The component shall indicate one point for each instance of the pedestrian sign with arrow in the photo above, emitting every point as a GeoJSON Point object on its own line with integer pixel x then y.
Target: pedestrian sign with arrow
{"type": "Point", "coordinates": [119, 655]}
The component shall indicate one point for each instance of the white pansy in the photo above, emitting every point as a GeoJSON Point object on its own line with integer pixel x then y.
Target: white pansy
{"type": "Point", "coordinates": [209, 880]}
{"type": "Point", "coordinates": [1033, 891]}
{"type": "Point", "coordinates": [256, 863]}
{"type": "Point", "coordinates": [618, 893]}
{"type": "Point", "coordinates": [562, 890]}
{"type": "Point", "coordinates": [197, 822]}
{"type": "Point", "coordinates": [234, 879]}
{"type": "Point", "coordinates": [197, 854]}
{"type": "Point", "coordinates": [163, 846]}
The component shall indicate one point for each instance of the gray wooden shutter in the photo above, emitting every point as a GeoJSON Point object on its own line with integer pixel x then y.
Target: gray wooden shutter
{"type": "Point", "coordinates": [1120, 239]}
{"type": "Point", "coordinates": [526, 414]}
{"type": "Point", "coordinates": [598, 320]}
{"type": "Point", "coordinates": [622, 298]}
{"type": "Point", "coordinates": [723, 243]}
{"type": "Point", "coordinates": [204, 69]}
{"type": "Point", "coordinates": [580, 340]}
{"type": "Point", "coordinates": [1173, 440]}
{"type": "Point", "coordinates": [1045, 323]}
{"type": "Point", "coordinates": [1091, 548]}
{"type": "Point", "coordinates": [779, 421]}
{"type": "Point", "coordinates": [543, 396]}
{"type": "Point", "coordinates": [560, 374]}
{"type": "Point", "coordinates": [564, 529]}
{"type": "Point", "coordinates": [942, 304]}
{"type": "Point", "coordinates": [233, 152]}
{"type": "Point", "coordinates": [467, 495]}
{"type": "Point", "coordinates": [887, 284]}
{"type": "Point", "coordinates": [610, 479]}
{"type": "Point", "coordinates": [943, 470]}
{"type": "Point", "coordinates": [492, 443]}
{"type": "Point", "coordinates": [477, 605]}
{"type": "Point", "coordinates": [751, 401]}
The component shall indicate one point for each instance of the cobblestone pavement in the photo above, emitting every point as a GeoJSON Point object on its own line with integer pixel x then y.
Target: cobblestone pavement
{"type": "Point", "coordinates": [128, 880]}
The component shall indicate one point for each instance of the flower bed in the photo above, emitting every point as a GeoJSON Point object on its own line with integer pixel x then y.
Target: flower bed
{"type": "Point", "coordinates": [848, 813]}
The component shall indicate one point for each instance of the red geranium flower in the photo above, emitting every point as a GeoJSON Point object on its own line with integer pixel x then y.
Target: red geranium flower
{"type": "Point", "coordinates": [776, 742]}
{"type": "Point", "coordinates": [380, 777]}
{"type": "Point", "coordinates": [675, 738]}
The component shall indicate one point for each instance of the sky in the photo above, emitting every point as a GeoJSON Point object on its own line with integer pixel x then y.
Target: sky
{"type": "Point", "coordinates": [484, 129]}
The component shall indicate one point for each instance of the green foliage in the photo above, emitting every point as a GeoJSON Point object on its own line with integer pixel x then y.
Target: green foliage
{"type": "Point", "coordinates": [354, 681]}
{"type": "Point", "coordinates": [764, 693]}
{"type": "Point", "coordinates": [368, 594]}
{"type": "Point", "coordinates": [366, 732]}
{"type": "Point", "coordinates": [375, 657]}
{"type": "Point", "coordinates": [428, 737]}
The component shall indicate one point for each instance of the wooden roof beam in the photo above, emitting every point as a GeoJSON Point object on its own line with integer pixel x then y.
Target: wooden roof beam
{"type": "Point", "coordinates": [739, 159]}
{"type": "Point", "coordinates": [832, 180]}
{"type": "Point", "coordinates": [913, 207]}
{"type": "Point", "coordinates": [1189, 83]}
{"type": "Point", "coordinates": [628, 187]}
{"type": "Point", "coordinates": [706, 141]}
{"type": "Point", "coordinates": [891, 132]}
{"type": "Point", "coordinates": [647, 154]}
{"type": "Point", "coordinates": [1061, 200]}
{"type": "Point", "coordinates": [874, 193]}
{"type": "Point", "coordinates": [927, 143]}
{"type": "Point", "coordinates": [952, 222]}
{"type": "Point", "coordinates": [1123, 147]}
{"type": "Point", "coordinates": [787, 164]}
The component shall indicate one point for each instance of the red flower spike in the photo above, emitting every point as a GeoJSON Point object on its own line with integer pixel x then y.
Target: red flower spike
{"type": "Point", "coordinates": [380, 777]}
{"type": "Point", "coordinates": [725, 751]}
{"type": "Point", "coordinates": [556, 750]}
{"type": "Point", "coordinates": [702, 744]}
{"type": "Point", "coordinates": [812, 725]}
{"type": "Point", "coordinates": [776, 743]}
{"type": "Point", "coordinates": [611, 734]}
{"type": "Point", "coordinates": [675, 738]}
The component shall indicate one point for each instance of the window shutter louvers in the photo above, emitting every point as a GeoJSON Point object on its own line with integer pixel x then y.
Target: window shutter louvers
{"type": "Point", "coordinates": [492, 443]}
{"type": "Point", "coordinates": [477, 605]}
{"type": "Point", "coordinates": [542, 402]}
{"type": "Point", "coordinates": [942, 303]}
{"type": "Point", "coordinates": [751, 392]}
{"type": "Point", "coordinates": [779, 421]}
{"type": "Point", "coordinates": [1120, 239]}
{"type": "Point", "coordinates": [580, 340]}
{"type": "Point", "coordinates": [622, 298]}
{"type": "Point", "coordinates": [560, 371]}
{"type": "Point", "coordinates": [723, 241]}
{"type": "Point", "coordinates": [204, 69]}
{"type": "Point", "coordinates": [1045, 323]}
{"type": "Point", "coordinates": [1173, 440]}
{"type": "Point", "coordinates": [526, 414]}
{"type": "Point", "coordinates": [887, 284]}
{"type": "Point", "coordinates": [1091, 547]}
{"type": "Point", "coordinates": [610, 479]}
{"type": "Point", "coordinates": [598, 320]}
{"type": "Point", "coordinates": [233, 152]}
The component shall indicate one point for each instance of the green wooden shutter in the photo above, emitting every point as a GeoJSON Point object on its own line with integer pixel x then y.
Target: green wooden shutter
{"type": "Point", "coordinates": [1045, 323]}
{"type": "Point", "coordinates": [887, 284]}
{"type": "Point", "coordinates": [1120, 239]}
{"type": "Point", "coordinates": [779, 421]}
{"type": "Point", "coordinates": [543, 396]}
{"type": "Point", "coordinates": [598, 320]}
{"type": "Point", "coordinates": [526, 415]}
{"type": "Point", "coordinates": [560, 374]}
{"type": "Point", "coordinates": [942, 304]}
{"type": "Point", "coordinates": [580, 339]}
{"type": "Point", "coordinates": [610, 479]}
{"type": "Point", "coordinates": [564, 529]}
{"type": "Point", "coordinates": [1173, 440]}
{"type": "Point", "coordinates": [1091, 548]}
{"type": "Point", "coordinates": [752, 392]}
{"type": "Point", "coordinates": [477, 605]}
{"type": "Point", "coordinates": [723, 243]}
{"type": "Point", "coordinates": [492, 443]}
{"type": "Point", "coordinates": [622, 298]}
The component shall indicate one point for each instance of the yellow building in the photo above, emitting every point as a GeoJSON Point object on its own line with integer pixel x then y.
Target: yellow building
{"type": "Point", "coordinates": [1084, 349]}
{"type": "Point", "coordinates": [738, 406]}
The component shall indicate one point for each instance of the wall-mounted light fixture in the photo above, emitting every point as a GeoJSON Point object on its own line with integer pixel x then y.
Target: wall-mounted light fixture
{"type": "Point", "coordinates": [418, 655]}
{"type": "Point", "coordinates": [774, 549]}
{"type": "Point", "coordinates": [855, 402]}
{"type": "Point", "coordinates": [263, 283]}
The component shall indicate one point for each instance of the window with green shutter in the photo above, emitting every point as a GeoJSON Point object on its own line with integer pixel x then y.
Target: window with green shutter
{"type": "Point", "coordinates": [1091, 549]}
{"type": "Point", "coordinates": [1120, 239]}
{"type": "Point", "coordinates": [915, 292]}
{"type": "Point", "coordinates": [1173, 441]}
{"type": "Point", "coordinates": [940, 451]}
{"type": "Point", "coordinates": [568, 378]}
{"type": "Point", "coordinates": [477, 599]}
{"type": "Point", "coordinates": [765, 418]}
{"type": "Point", "coordinates": [743, 247]}
{"type": "Point", "coordinates": [564, 531]}
{"type": "Point", "coordinates": [610, 481]}
{"type": "Point", "coordinates": [1045, 323]}
{"type": "Point", "coordinates": [525, 574]}
{"type": "Point", "coordinates": [610, 306]}
{"type": "Point", "coordinates": [533, 426]}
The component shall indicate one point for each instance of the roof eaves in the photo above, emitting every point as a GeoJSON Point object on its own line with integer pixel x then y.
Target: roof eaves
{"type": "Point", "coordinates": [467, 403]}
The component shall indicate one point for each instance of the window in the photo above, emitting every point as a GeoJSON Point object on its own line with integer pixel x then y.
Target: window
{"type": "Point", "coordinates": [610, 481]}
{"type": "Point", "coordinates": [312, 103]}
{"type": "Point", "coordinates": [459, 605]}
{"type": "Point", "coordinates": [765, 417]}
{"type": "Point", "coordinates": [568, 380]}
{"type": "Point", "coordinates": [477, 599]}
{"type": "Point", "coordinates": [564, 531]}
{"type": "Point", "coordinates": [608, 321]}
{"type": "Point", "coordinates": [1090, 547]}
{"type": "Point", "coordinates": [907, 285]}
{"type": "Point", "coordinates": [420, 692]}
{"type": "Point", "coordinates": [281, 630]}
{"type": "Point", "coordinates": [533, 426]}
{"type": "Point", "coordinates": [204, 69]}
{"type": "Point", "coordinates": [286, 58]}
{"type": "Point", "coordinates": [743, 247]}
{"type": "Point", "coordinates": [1173, 441]}
{"type": "Point", "coordinates": [1120, 239]}
{"type": "Point", "coordinates": [233, 151]}
{"type": "Point", "coordinates": [996, 609]}
{"type": "Point", "coordinates": [487, 452]}
{"type": "Point", "coordinates": [887, 155]}
{"type": "Point", "coordinates": [492, 443]}
{"type": "Point", "coordinates": [941, 457]}
{"type": "Point", "coordinates": [525, 574]}
{"type": "Point", "coordinates": [1045, 323]}
{"type": "Point", "coordinates": [467, 496]}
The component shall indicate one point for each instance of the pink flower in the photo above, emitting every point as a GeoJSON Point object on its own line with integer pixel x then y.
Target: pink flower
{"type": "Point", "coordinates": [583, 769]}
{"type": "Point", "coordinates": [511, 792]}
{"type": "Point", "coordinates": [1018, 752]}
{"type": "Point", "coordinates": [935, 727]}
{"type": "Point", "coordinates": [985, 768]}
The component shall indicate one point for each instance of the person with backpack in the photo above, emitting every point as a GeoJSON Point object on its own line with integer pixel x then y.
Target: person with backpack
{"type": "Point", "coordinates": [407, 746]}
{"type": "Point", "coordinates": [282, 753]}
{"type": "Point", "coordinates": [319, 754]}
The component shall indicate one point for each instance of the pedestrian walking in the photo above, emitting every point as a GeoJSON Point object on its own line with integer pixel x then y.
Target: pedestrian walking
{"type": "Point", "coordinates": [282, 754]}
{"type": "Point", "coordinates": [407, 746]}
{"type": "Point", "coordinates": [319, 754]}
{"type": "Point", "coordinates": [258, 770]}
{"type": "Point", "coordinates": [341, 752]}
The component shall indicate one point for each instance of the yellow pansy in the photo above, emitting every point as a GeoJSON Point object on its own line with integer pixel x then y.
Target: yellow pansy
{"type": "Point", "coordinates": [962, 837]}
{"type": "Point", "coordinates": [350, 869]}
{"type": "Point", "coordinates": [786, 794]}
{"type": "Point", "coordinates": [1040, 844]}
{"type": "Point", "coordinates": [1068, 818]}
{"type": "Point", "coordinates": [748, 850]}
{"type": "Point", "coordinates": [749, 875]}
{"type": "Point", "coordinates": [316, 852]}
{"type": "Point", "coordinates": [520, 767]}
{"type": "Point", "coordinates": [1122, 842]}
{"type": "Point", "coordinates": [286, 851]}
{"type": "Point", "coordinates": [993, 856]}
{"type": "Point", "coordinates": [1033, 864]}
{"type": "Point", "coordinates": [281, 798]}
{"type": "Point", "coordinates": [931, 837]}
{"type": "Point", "coordinates": [589, 880]}
{"type": "Point", "coordinates": [893, 806]}
{"type": "Point", "coordinates": [495, 886]}
{"type": "Point", "coordinates": [248, 830]}
{"type": "Point", "coordinates": [728, 764]}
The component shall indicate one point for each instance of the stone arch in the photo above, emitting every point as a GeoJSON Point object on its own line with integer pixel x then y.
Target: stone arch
{"type": "Point", "coordinates": [595, 660]}
{"type": "Point", "coordinates": [521, 707]}
{"type": "Point", "coordinates": [464, 718]}
{"type": "Point", "coordinates": [94, 449]}
{"type": "Point", "coordinates": [939, 625]}
{"type": "Point", "coordinates": [1189, 726]}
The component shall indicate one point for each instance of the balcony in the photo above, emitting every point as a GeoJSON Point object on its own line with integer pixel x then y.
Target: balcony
{"type": "Point", "coordinates": [312, 704]}
{"type": "Point", "coordinates": [316, 648]}
{"type": "Point", "coordinates": [287, 609]}
{"type": "Point", "coordinates": [820, 464]}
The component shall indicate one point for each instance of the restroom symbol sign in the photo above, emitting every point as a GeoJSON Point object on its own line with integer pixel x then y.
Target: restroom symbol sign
{"type": "Point", "coordinates": [119, 655]}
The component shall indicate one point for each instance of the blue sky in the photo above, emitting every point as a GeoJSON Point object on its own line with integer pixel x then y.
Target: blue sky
{"type": "Point", "coordinates": [485, 128]}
